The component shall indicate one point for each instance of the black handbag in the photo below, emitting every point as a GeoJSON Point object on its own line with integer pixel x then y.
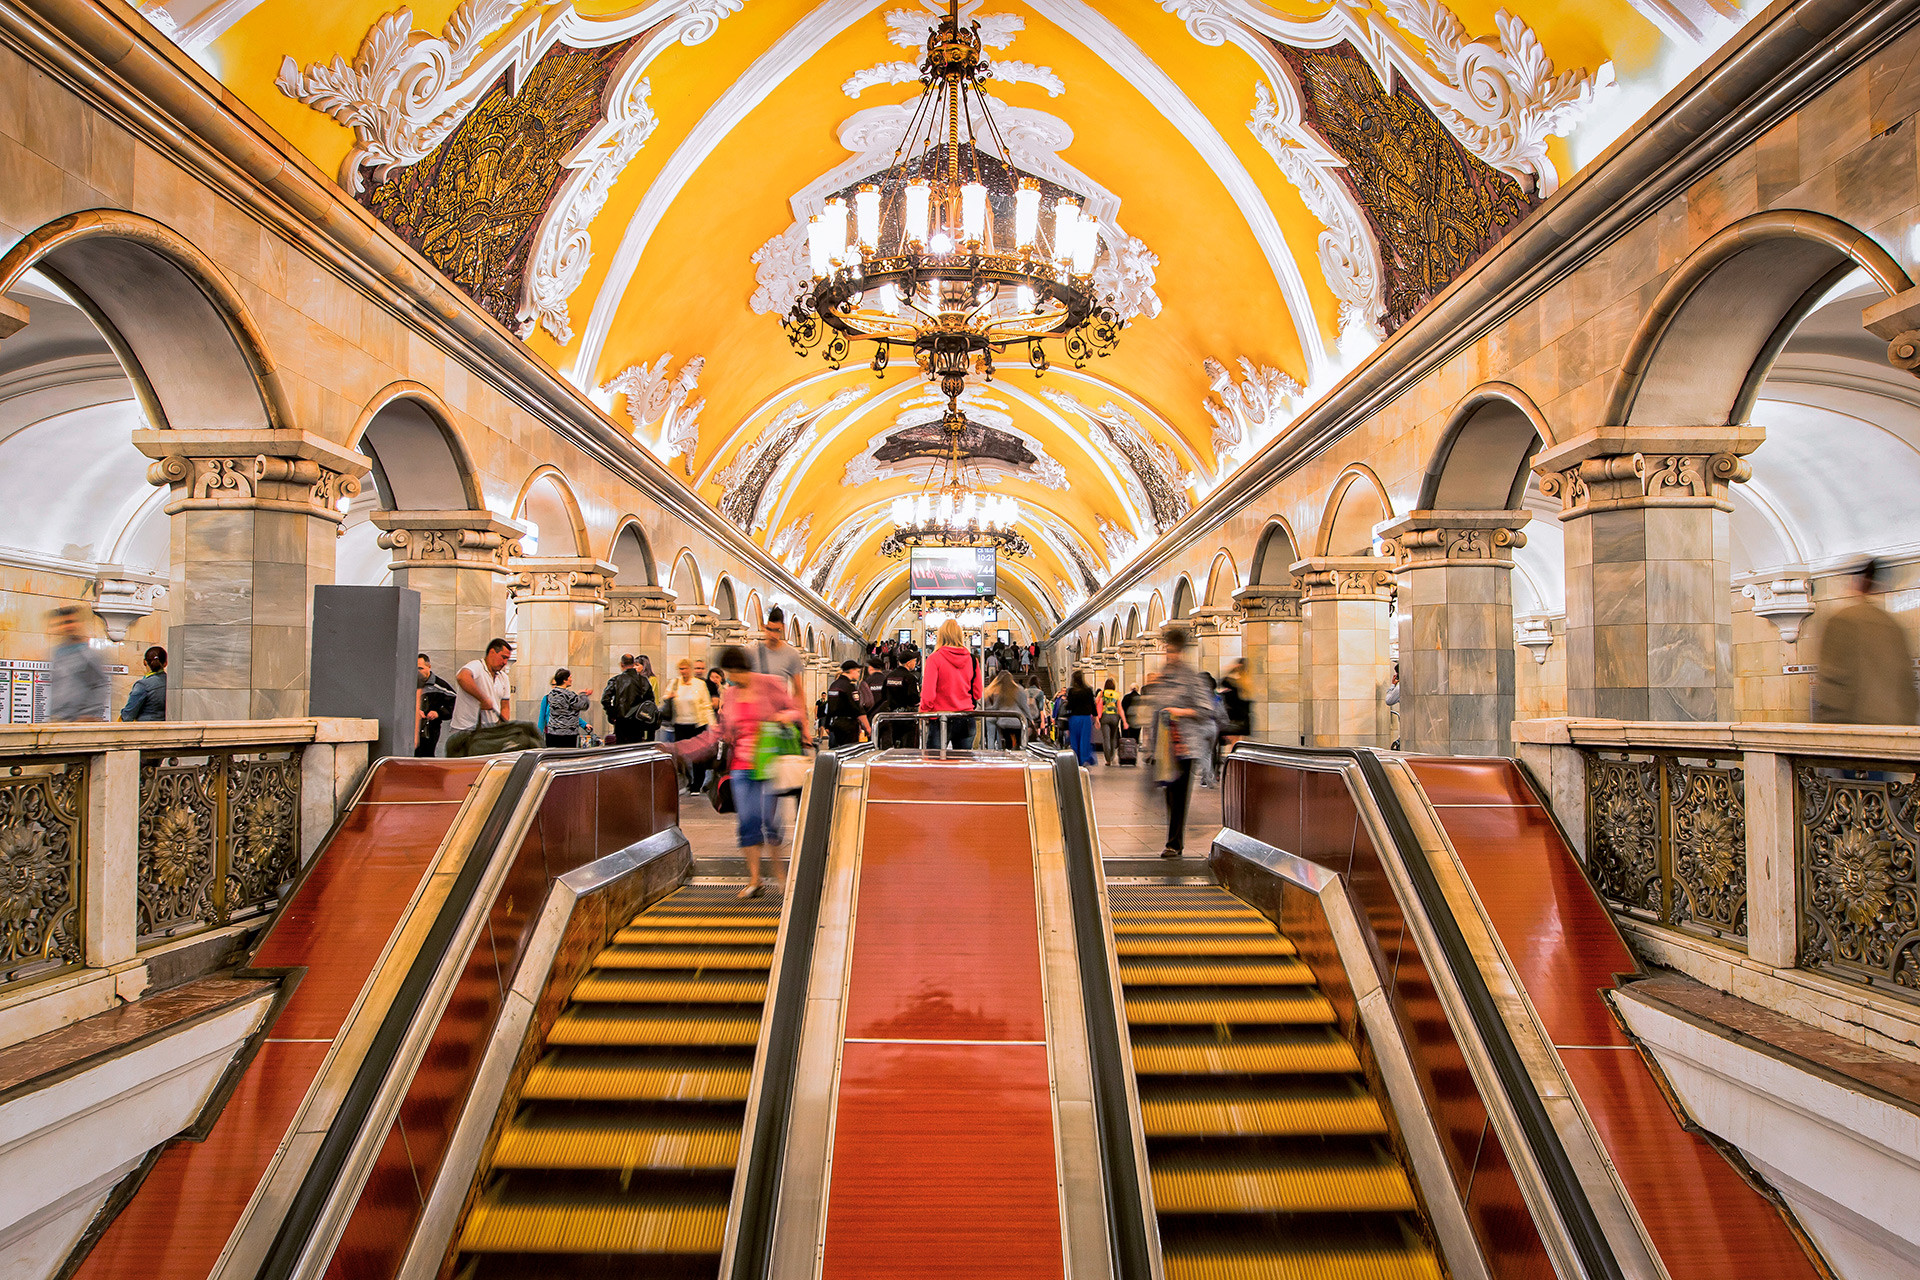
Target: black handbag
{"type": "Point", "coordinates": [720, 781]}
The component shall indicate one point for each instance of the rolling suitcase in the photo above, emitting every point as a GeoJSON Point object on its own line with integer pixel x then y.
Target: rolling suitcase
{"type": "Point", "coordinates": [1129, 751]}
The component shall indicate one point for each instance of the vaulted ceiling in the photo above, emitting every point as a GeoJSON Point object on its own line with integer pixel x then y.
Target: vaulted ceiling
{"type": "Point", "coordinates": [1279, 190]}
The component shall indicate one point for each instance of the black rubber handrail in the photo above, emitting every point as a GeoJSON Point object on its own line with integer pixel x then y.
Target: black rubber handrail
{"type": "Point", "coordinates": [1589, 1242]}
{"type": "Point", "coordinates": [308, 1203]}
{"type": "Point", "coordinates": [786, 1015]}
{"type": "Point", "coordinates": [1107, 1055]}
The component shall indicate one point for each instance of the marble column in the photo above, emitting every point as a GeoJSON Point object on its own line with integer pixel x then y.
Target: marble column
{"type": "Point", "coordinates": [255, 517]}
{"type": "Point", "coordinates": [560, 602]}
{"type": "Point", "coordinates": [688, 633]}
{"type": "Point", "coordinates": [1649, 581]}
{"type": "Point", "coordinates": [636, 623]}
{"type": "Point", "coordinates": [457, 561]}
{"type": "Point", "coordinates": [1270, 642]}
{"type": "Point", "coordinates": [1344, 650]}
{"type": "Point", "coordinates": [1217, 638]}
{"type": "Point", "coordinates": [1455, 571]}
{"type": "Point", "coordinates": [1133, 664]}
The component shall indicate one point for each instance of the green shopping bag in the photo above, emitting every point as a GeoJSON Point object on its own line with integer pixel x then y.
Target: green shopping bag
{"type": "Point", "coordinates": [776, 740]}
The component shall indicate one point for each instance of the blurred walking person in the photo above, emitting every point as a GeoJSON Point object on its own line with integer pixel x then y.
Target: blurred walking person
{"type": "Point", "coordinates": [77, 685]}
{"type": "Point", "coordinates": [1865, 675]}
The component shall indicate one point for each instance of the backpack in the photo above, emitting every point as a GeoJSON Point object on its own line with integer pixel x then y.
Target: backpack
{"type": "Point", "coordinates": [633, 698]}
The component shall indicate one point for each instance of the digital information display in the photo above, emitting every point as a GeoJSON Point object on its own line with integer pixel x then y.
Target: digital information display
{"type": "Point", "coordinates": [953, 573]}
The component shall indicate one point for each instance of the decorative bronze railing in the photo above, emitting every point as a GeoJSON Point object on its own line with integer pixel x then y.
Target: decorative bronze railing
{"type": "Point", "coordinates": [1859, 888]}
{"type": "Point", "coordinates": [1667, 838]}
{"type": "Point", "coordinates": [219, 838]}
{"type": "Point", "coordinates": [43, 814]}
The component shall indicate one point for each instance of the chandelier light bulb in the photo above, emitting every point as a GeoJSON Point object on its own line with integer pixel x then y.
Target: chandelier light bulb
{"type": "Point", "coordinates": [1023, 299]}
{"type": "Point", "coordinates": [973, 212]}
{"type": "Point", "coordinates": [819, 254]}
{"type": "Point", "coordinates": [1086, 246]}
{"type": "Point", "coordinates": [866, 208]}
{"type": "Point", "coordinates": [836, 227]}
{"type": "Point", "coordinates": [922, 510]}
{"type": "Point", "coordinates": [968, 509]}
{"type": "Point", "coordinates": [890, 298]}
{"type": "Point", "coordinates": [903, 512]}
{"type": "Point", "coordinates": [1066, 215]}
{"type": "Point", "coordinates": [919, 195]}
{"type": "Point", "coordinates": [941, 242]}
{"type": "Point", "coordinates": [1026, 212]}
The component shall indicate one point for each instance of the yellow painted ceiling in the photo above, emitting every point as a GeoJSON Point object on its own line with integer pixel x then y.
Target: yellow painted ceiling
{"type": "Point", "coordinates": [688, 292]}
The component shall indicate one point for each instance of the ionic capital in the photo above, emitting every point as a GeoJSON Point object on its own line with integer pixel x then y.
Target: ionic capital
{"type": "Point", "coordinates": [1215, 620]}
{"type": "Point", "coordinates": [691, 620]}
{"type": "Point", "coordinates": [1325, 578]}
{"type": "Point", "coordinates": [1268, 604]}
{"type": "Point", "coordinates": [1620, 468]}
{"type": "Point", "coordinates": [1436, 539]}
{"type": "Point", "coordinates": [638, 604]}
{"type": "Point", "coordinates": [476, 540]}
{"type": "Point", "coordinates": [291, 471]}
{"type": "Point", "coordinates": [559, 580]}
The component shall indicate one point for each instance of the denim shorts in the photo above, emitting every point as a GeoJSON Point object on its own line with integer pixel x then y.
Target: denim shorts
{"type": "Point", "coordinates": [757, 809]}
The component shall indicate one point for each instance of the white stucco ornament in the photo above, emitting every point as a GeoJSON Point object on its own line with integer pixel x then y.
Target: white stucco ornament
{"type": "Point", "coordinates": [1247, 413]}
{"type": "Point", "coordinates": [655, 398]}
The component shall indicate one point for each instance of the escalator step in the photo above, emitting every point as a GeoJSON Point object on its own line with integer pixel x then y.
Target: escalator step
{"type": "Point", "coordinates": [1203, 944]}
{"type": "Point", "coordinates": [1271, 1261]}
{"type": "Point", "coordinates": [626, 988]}
{"type": "Point", "coordinates": [748, 936]}
{"type": "Point", "coordinates": [537, 1142]}
{"type": "Point", "coordinates": [1336, 1184]}
{"type": "Point", "coordinates": [1213, 971]}
{"type": "Point", "coordinates": [525, 1221]}
{"type": "Point", "coordinates": [1199, 915]}
{"type": "Point", "coordinates": [1319, 1052]}
{"type": "Point", "coordinates": [632, 1027]}
{"type": "Point", "coordinates": [1268, 1115]}
{"type": "Point", "coordinates": [638, 957]}
{"type": "Point", "coordinates": [635, 1078]}
{"type": "Point", "coordinates": [1125, 926]}
{"type": "Point", "coordinates": [1209, 1007]}
{"type": "Point", "coordinates": [705, 920]}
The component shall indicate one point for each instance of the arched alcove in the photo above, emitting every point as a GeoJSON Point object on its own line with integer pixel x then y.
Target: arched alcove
{"type": "Point", "coordinates": [754, 615]}
{"type": "Point", "coordinates": [1156, 612]}
{"type": "Point", "coordinates": [1133, 623]}
{"type": "Point", "coordinates": [685, 582]}
{"type": "Point", "coordinates": [1274, 555]}
{"type": "Point", "coordinates": [1223, 579]}
{"type": "Point", "coordinates": [1358, 503]}
{"type": "Point", "coordinates": [1481, 462]}
{"type": "Point", "coordinates": [632, 557]}
{"type": "Point", "coordinates": [1182, 598]}
{"type": "Point", "coordinates": [548, 506]}
{"type": "Point", "coordinates": [417, 463]}
{"type": "Point", "coordinates": [724, 602]}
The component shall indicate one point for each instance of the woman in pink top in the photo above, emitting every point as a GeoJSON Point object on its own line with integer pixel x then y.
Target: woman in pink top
{"type": "Point", "coordinates": [751, 700]}
{"type": "Point", "coordinates": [951, 682]}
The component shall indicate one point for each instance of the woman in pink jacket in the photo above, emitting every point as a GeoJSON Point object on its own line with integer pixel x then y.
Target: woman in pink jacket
{"type": "Point", "coordinates": [951, 682]}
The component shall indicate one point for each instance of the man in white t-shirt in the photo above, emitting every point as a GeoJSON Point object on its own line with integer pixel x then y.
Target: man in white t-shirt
{"type": "Point", "coordinates": [481, 689]}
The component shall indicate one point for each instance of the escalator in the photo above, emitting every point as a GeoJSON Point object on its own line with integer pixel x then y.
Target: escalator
{"type": "Point", "coordinates": [622, 1146]}
{"type": "Point", "coordinates": [1268, 1153]}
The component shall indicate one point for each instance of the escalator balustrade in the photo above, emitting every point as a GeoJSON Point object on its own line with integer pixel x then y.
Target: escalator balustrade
{"type": "Point", "coordinates": [1268, 1155]}
{"type": "Point", "coordinates": [627, 1129]}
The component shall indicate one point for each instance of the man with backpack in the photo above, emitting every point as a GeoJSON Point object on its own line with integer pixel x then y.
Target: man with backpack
{"type": "Point", "coordinates": [632, 713]}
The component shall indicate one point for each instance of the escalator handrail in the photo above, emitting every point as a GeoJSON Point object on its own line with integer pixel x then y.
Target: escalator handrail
{"type": "Point", "coordinates": [1107, 1055]}
{"type": "Point", "coordinates": [307, 1207]}
{"type": "Point", "coordinates": [786, 1019]}
{"type": "Point", "coordinates": [1562, 1184]}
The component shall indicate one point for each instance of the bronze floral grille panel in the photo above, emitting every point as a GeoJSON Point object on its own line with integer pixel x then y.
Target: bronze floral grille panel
{"type": "Point", "coordinates": [219, 838]}
{"type": "Point", "coordinates": [1859, 899]}
{"type": "Point", "coordinates": [43, 805]}
{"type": "Point", "coordinates": [1667, 839]}
{"type": "Point", "coordinates": [1707, 842]}
{"type": "Point", "coordinates": [1434, 207]}
{"type": "Point", "coordinates": [473, 206]}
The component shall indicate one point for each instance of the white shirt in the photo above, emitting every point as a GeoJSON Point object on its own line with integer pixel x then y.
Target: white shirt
{"type": "Point", "coordinates": [466, 707]}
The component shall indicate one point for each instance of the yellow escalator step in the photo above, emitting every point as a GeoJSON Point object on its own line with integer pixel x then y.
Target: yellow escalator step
{"type": "Point", "coordinates": [1356, 1184]}
{"type": "Point", "coordinates": [1279, 1262]}
{"type": "Point", "coordinates": [1282, 1005]}
{"type": "Point", "coordinates": [628, 988]}
{"type": "Point", "coordinates": [1124, 926]}
{"type": "Point", "coordinates": [1201, 916]}
{"type": "Point", "coordinates": [613, 1026]}
{"type": "Point", "coordinates": [1271, 1116]}
{"type": "Point", "coordinates": [1213, 971]}
{"type": "Point", "coordinates": [627, 957]}
{"type": "Point", "coordinates": [1197, 944]}
{"type": "Point", "coordinates": [569, 1079]}
{"type": "Point", "coordinates": [536, 1143]}
{"type": "Point", "coordinates": [594, 1224]}
{"type": "Point", "coordinates": [703, 920]}
{"type": "Point", "coordinates": [1328, 1055]}
{"type": "Point", "coordinates": [740, 937]}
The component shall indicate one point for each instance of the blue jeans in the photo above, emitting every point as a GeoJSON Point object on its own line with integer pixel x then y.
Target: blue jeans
{"type": "Point", "coordinates": [756, 808]}
{"type": "Point", "coordinates": [1080, 735]}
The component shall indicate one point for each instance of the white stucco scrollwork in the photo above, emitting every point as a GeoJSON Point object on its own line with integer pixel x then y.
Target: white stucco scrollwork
{"type": "Point", "coordinates": [1247, 412]}
{"type": "Point", "coordinates": [655, 398]}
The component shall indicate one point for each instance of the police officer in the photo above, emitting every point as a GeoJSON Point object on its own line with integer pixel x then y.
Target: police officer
{"type": "Point", "coordinates": [845, 719]}
{"type": "Point", "coordinates": [902, 692]}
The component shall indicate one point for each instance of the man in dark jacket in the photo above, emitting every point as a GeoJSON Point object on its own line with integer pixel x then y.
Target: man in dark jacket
{"type": "Point", "coordinates": [628, 703]}
{"type": "Point", "coordinates": [902, 693]}
{"type": "Point", "coordinates": [845, 718]}
{"type": "Point", "coordinates": [436, 706]}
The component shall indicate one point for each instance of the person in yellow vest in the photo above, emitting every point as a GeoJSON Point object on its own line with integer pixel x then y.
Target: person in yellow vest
{"type": "Point", "coordinates": [1113, 722]}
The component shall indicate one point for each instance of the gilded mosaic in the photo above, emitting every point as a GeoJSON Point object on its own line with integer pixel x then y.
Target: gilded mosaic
{"type": "Point", "coordinates": [472, 207]}
{"type": "Point", "coordinates": [1432, 206]}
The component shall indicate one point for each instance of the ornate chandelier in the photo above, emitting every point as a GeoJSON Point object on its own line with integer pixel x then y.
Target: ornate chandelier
{"type": "Point", "coordinates": [950, 511]}
{"type": "Point", "coordinates": [946, 254]}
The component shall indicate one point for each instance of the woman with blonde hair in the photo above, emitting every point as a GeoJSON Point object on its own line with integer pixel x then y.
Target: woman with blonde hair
{"type": "Point", "coordinates": [687, 701]}
{"type": "Point", "coordinates": [951, 683]}
{"type": "Point", "coordinates": [1005, 694]}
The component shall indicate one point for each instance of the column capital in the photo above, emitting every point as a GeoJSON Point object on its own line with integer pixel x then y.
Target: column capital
{"type": "Point", "coordinates": [448, 539]}
{"type": "Point", "coordinates": [1215, 620]}
{"type": "Point", "coordinates": [1622, 468]}
{"type": "Point", "coordinates": [1323, 578]}
{"type": "Point", "coordinates": [638, 604]}
{"type": "Point", "coordinates": [558, 579]}
{"type": "Point", "coordinates": [293, 471]}
{"type": "Point", "coordinates": [1436, 539]}
{"type": "Point", "coordinates": [1783, 596]}
{"type": "Point", "coordinates": [124, 596]}
{"type": "Point", "coordinates": [691, 620]}
{"type": "Point", "coordinates": [1268, 604]}
{"type": "Point", "coordinates": [730, 631]}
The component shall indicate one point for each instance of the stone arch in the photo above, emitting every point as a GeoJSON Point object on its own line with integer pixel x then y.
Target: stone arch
{"type": "Point", "coordinates": [1274, 555]}
{"type": "Point", "coordinates": [684, 581]}
{"type": "Point", "coordinates": [1133, 623]}
{"type": "Point", "coordinates": [1223, 579]}
{"type": "Point", "coordinates": [794, 635]}
{"type": "Point", "coordinates": [754, 614]}
{"type": "Point", "coordinates": [546, 501]}
{"type": "Point", "coordinates": [191, 347]}
{"type": "Point", "coordinates": [1358, 502]}
{"type": "Point", "coordinates": [632, 555]}
{"type": "Point", "coordinates": [1156, 612]}
{"type": "Point", "coordinates": [1182, 599]}
{"type": "Point", "coordinates": [726, 601]}
{"type": "Point", "coordinates": [419, 461]}
{"type": "Point", "coordinates": [813, 645]}
{"type": "Point", "coordinates": [1707, 342]}
{"type": "Point", "coordinates": [1482, 460]}
{"type": "Point", "coordinates": [1099, 639]}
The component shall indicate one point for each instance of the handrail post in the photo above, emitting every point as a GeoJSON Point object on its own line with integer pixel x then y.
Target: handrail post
{"type": "Point", "coordinates": [111, 858]}
{"type": "Point", "coordinates": [1773, 888]}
